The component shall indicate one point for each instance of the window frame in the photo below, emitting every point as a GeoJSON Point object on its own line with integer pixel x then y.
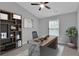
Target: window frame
{"type": "Point", "coordinates": [54, 28]}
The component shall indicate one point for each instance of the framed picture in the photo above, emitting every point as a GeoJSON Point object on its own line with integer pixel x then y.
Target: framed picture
{"type": "Point", "coordinates": [28, 23]}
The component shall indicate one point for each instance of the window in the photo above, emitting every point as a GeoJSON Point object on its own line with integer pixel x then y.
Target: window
{"type": "Point", "coordinates": [54, 27]}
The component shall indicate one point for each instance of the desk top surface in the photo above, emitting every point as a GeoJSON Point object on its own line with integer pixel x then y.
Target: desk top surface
{"type": "Point", "coordinates": [48, 40]}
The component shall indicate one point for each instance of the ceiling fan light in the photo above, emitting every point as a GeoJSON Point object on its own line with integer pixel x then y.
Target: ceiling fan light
{"type": "Point", "coordinates": [42, 5]}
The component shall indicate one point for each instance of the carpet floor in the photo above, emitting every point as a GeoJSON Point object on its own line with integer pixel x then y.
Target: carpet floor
{"type": "Point", "coordinates": [70, 51]}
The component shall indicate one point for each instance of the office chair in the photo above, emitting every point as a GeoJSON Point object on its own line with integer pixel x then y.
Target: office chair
{"type": "Point", "coordinates": [34, 34]}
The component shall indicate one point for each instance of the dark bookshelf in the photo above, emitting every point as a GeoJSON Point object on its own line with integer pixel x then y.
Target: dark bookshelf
{"type": "Point", "coordinates": [10, 31]}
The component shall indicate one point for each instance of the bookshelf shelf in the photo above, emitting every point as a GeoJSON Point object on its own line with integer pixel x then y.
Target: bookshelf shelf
{"type": "Point", "coordinates": [10, 30]}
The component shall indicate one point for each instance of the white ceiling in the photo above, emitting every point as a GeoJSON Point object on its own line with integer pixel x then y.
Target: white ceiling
{"type": "Point", "coordinates": [57, 8]}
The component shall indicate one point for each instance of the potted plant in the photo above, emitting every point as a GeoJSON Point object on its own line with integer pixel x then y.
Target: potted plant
{"type": "Point", "coordinates": [72, 34]}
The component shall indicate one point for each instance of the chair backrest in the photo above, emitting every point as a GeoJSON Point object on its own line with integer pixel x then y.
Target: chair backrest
{"type": "Point", "coordinates": [34, 34]}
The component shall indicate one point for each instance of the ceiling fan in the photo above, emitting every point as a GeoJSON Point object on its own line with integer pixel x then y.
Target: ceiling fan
{"type": "Point", "coordinates": [42, 5]}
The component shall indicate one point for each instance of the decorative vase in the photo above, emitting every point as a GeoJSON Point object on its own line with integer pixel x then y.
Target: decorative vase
{"type": "Point", "coordinates": [73, 42]}
{"type": "Point", "coordinates": [71, 45]}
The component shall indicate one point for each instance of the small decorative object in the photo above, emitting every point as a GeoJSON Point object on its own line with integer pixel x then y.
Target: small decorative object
{"type": "Point", "coordinates": [11, 35]}
{"type": "Point", "coordinates": [46, 37]}
{"type": "Point", "coordinates": [18, 36]}
{"type": "Point", "coordinates": [27, 42]}
{"type": "Point", "coordinates": [15, 16]}
{"type": "Point", "coordinates": [3, 16]}
{"type": "Point", "coordinates": [19, 43]}
{"type": "Point", "coordinates": [72, 33]}
{"type": "Point", "coordinates": [4, 35]}
{"type": "Point", "coordinates": [13, 27]}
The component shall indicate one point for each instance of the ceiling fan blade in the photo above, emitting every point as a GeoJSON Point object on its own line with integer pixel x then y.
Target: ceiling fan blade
{"type": "Point", "coordinates": [46, 2]}
{"type": "Point", "coordinates": [39, 8]}
{"type": "Point", "coordinates": [34, 4]}
{"type": "Point", "coordinates": [47, 7]}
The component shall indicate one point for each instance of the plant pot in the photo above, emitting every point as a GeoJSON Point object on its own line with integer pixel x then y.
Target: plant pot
{"type": "Point", "coordinates": [71, 45]}
{"type": "Point", "coordinates": [73, 42]}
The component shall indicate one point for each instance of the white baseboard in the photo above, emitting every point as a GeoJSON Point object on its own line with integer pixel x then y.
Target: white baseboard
{"type": "Point", "coordinates": [62, 44]}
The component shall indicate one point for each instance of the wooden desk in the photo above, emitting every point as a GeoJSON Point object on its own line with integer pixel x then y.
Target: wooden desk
{"type": "Point", "coordinates": [51, 41]}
